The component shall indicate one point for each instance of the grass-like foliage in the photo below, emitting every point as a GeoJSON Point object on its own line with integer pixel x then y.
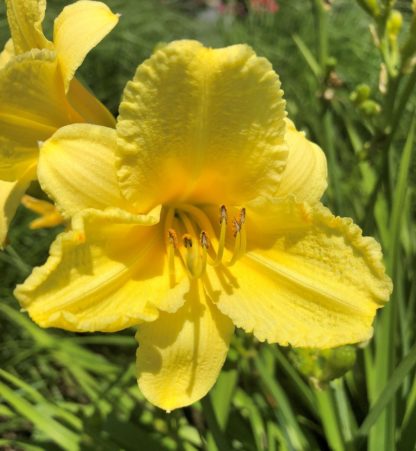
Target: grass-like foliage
{"type": "Point", "coordinates": [353, 94]}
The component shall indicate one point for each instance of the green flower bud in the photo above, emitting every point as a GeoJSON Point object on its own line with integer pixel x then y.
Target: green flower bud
{"type": "Point", "coordinates": [360, 94]}
{"type": "Point", "coordinates": [394, 24]}
{"type": "Point", "coordinates": [322, 366]}
{"type": "Point", "coordinates": [370, 108]}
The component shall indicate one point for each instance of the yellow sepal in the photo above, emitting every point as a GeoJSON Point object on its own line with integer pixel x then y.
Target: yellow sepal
{"type": "Point", "coordinates": [106, 274]}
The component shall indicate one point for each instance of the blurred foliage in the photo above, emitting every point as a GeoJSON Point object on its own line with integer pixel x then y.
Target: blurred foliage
{"type": "Point", "coordinates": [347, 68]}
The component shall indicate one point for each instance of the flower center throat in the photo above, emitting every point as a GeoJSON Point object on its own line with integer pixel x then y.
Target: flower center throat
{"type": "Point", "coordinates": [193, 241]}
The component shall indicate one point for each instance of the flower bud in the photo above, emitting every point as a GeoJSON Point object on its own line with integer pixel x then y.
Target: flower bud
{"type": "Point", "coordinates": [371, 6]}
{"type": "Point", "coordinates": [322, 366]}
{"type": "Point", "coordinates": [394, 24]}
{"type": "Point", "coordinates": [360, 94]}
{"type": "Point", "coordinates": [370, 108]}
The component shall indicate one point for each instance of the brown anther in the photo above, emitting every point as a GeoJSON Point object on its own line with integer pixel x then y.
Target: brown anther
{"type": "Point", "coordinates": [236, 226]}
{"type": "Point", "coordinates": [242, 216]}
{"type": "Point", "coordinates": [223, 214]}
{"type": "Point", "coordinates": [173, 238]}
{"type": "Point", "coordinates": [204, 240]}
{"type": "Point", "coordinates": [187, 241]}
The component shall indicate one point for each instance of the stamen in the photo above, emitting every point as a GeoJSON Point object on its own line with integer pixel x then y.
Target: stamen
{"type": "Point", "coordinates": [192, 221]}
{"type": "Point", "coordinates": [236, 226]}
{"type": "Point", "coordinates": [205, 245]}
{"type": "Point", "coordinates": [243, 233]}
{"type": "Point", "coordinates": [223, 214]}
{"type": "Point", "coordinates": [192, 255]}
{"type": "Point", "coordinates": [173, 245]}
{"type": "Point", "coordinates": [173, 238]}
{"type": "Point", "coordinates": [240, 235]}
{"type": "Point", "coordinates": [187, 241]}
{"type": "Point", "coordinates": [223, 233]}
{"type": "Point", "coordinates": [242, 216]}
{"type": "Point", "coordinates": [204, 240]}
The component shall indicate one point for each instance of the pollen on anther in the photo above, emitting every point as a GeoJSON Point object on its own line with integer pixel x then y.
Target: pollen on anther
{"type": "Point", "coordinates": [204, 240]}
{"type": "Point", "coordinates": [223, 214]}
{"type": "Point", "coordinates": [236, 226]}
{"type": "Point", "coordinates": [187, 241]}
{"type": "Point", "coordinates": [242, 216]}
{"type": "Point", "coordinates": [173, 238]}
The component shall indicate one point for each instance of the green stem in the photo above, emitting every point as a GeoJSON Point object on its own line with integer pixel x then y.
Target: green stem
{"type": "Point", "coordinates": [330, 420]}
{"type": "Point", "coordinates": [214, 427]}
{"type": "Point", "coordinates": [322, 27]}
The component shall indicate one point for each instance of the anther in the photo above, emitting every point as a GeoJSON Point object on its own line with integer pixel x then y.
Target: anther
{"type": "Point", "coordinates": [204, 240]}
{"type": "Point", "coordinates": [223, 214]}
{"type": "Point", "coordinates": [173, 245]}
{"type": "Point", "coordinates": [242, 216]}
{"type": "Point", "coordinates": [237, 227]}
{"type": "Point", "coordinates": [173, 238]}
{"type": "Point", "coordinates": [187, 241]}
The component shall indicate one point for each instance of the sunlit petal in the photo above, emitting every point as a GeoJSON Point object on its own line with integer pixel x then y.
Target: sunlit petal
{"type": "Point", "coordinates": [311, 280]}
{"type": "Point", "coordinates": [10, 195]}
{"type": "Point", "coordinates": [88, 106]}
{"type": "Point", "coordinates": [305, 174]}
{"type": "Point", "coordinates": [78, 29]}
{"type": "Point", "coordinates": [32, 107]}
{"type": "Point", "coordinates": [7, 53]}
{"type": "Point", "coordinates": [180, 355]}
{"type": "Point", "coordinates": [207, 122]}
{"type": "Point", "coordinates": [25, 20]}
{"type": "Point", "coordinates": [76, 168]}
{"type": "Point", "coordinates": [107, 276]}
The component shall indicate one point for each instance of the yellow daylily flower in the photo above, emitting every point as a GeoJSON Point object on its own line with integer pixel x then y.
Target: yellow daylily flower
{"type": "Point", "coordinates": [199, 213]}
{"type": "Point", "coordinates": [38, 91]}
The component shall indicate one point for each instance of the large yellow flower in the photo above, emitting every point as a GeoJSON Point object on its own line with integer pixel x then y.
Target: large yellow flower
{"type": "Point", "coordinates": [200, 212]}
{"type": "Point", "coordinates": [38, 91]}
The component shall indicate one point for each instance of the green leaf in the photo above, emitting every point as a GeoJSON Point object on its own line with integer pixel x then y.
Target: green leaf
{"type": "Point", "coordinates": [64, 437]}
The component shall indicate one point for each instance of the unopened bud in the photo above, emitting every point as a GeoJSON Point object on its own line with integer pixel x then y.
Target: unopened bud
{"type": "Point", "coordinates": [322, 366]}
{"type": "Point", "coordinates": [394, 24]}
{"type": "Point", "coordinates": [361, 93]}
{"type": "Point", "coordinates": [370, 108]}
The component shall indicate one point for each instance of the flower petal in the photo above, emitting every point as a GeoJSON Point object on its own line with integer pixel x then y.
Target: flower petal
{"type": "Point", "coordinates": [305, 174]}
{"type": "Point", "coordinates": [207, 123]}
{"type": "Point", "coordinates": [7, 54]}
{"type": "Point", "coordinates": [77, 168]}
{"type": "Point", "coordinates": [107, 276]}
{"type": "Point", "coordinates": [88, 106]}
{"type": "Point", "coordinates": [311, 281]}
{"type": "Point", "coordinates": [25, 20]}
{"type": "Point", "coordinates": [180, 355]}
{"type": "Point", "coordinates": [77, 30]}
{"type": "Point", "coordinates": [11, 194]}
{"type": "Point", "coordinates": [32, 107]}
